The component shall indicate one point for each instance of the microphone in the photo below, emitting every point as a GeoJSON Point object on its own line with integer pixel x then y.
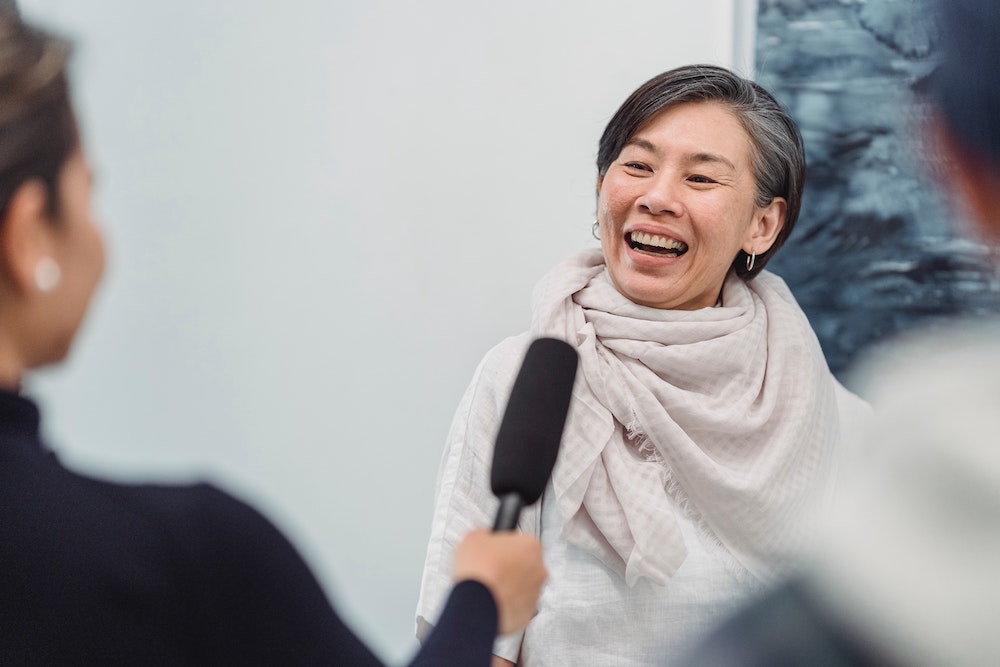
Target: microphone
{"type": "Point", "coordinates": [532, 426]}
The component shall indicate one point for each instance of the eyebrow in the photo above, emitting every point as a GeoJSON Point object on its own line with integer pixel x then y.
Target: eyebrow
{"type": "Point", "coordinates": [692, 158]}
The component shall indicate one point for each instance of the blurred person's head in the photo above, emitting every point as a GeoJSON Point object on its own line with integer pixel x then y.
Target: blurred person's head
{"type": "Point", "coordinates": [51, 251]}
{"type": "Point", "coordinates": [966, 95]}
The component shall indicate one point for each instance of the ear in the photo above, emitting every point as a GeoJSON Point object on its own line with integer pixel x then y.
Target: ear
{"type": "Point", "coordinates": [26, 236]}
{"type": "Point", "coordinates": [768, 223]}
{"type": "Point", "coordinates": [973, 180]}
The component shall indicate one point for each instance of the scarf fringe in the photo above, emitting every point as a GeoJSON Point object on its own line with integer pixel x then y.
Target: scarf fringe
{"type": "Point", "coordinates": [648, 451]}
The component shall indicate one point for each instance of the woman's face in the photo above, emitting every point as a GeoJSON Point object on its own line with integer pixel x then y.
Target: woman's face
{"type": "Point", "coordinates": [677, 205]}
{"type": "Point", "coordinates": [78, 249]}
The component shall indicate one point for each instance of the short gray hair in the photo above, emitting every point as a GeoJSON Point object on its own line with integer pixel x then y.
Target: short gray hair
{"type": "Point", "coordinates": [778, 157]}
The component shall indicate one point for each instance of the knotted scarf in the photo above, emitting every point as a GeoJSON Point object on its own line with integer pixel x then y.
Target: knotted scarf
{"type": "Point", "coordinates": [727, 413]}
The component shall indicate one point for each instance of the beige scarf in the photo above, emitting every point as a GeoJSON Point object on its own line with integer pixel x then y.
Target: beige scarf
{"type": "Point", "coordinates": [731, 410]}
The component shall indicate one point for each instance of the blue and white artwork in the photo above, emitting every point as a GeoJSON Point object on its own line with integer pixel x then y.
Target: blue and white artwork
{"type": "Point", "coordinates": [876, 249]}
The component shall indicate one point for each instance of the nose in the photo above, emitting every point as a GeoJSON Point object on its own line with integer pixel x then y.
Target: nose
{"type": "Point", "coordinates": [661, 197]}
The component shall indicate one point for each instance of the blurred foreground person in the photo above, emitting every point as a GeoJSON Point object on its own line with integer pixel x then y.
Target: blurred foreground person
{"type": "Point", "coordinates": [909, 574]}
{"type": "Point", "coordinates": [93, 572]}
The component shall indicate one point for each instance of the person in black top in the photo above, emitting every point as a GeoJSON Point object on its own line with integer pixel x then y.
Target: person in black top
{"type": "Point", "coordinates": [94, 572]}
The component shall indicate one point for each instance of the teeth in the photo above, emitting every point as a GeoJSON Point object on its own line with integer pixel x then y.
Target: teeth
{"type": "Point", "coordinates": [657, 241]}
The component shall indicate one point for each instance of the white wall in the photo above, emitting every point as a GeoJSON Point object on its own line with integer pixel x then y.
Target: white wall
{"type": "Point", "coordinates": [320, 216]}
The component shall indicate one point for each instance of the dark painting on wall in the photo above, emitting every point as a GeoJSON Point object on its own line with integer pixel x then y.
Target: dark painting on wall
{"type": "Point", "coordinates": [876, 249]}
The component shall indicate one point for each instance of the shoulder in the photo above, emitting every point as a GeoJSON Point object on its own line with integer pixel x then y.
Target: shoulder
{"type": "Point", "coordinates": [854, 410]}
{"type": "Point", "coordinates": [209, 533]}
{"type": "Point", "coordinates": [150, 566]}
{"type": "Point", "coordinates": [102, 514]}
{"type": "Point", "coordinates": [933, 394]}
{"type": "Point", "coordinates": [224, 535]}
{"type": "Point", "coordinates": [497, 370]}
{"type": "Point", "coordinates": [474, 425]}
{"type": "Point", "coordinates": [925, 497]}
{"type": "Point", "coordinates": [226, 549]}
{"type": "Point", "coordinates": [186, 513]}
{"type": "Point", "coordinates": [203, 514]}
{"type": "Point", "coordinates": [507, 354]}
{"type": "Point", "coordinates": [248, 582]}
{"type": "Point", "coordinates": [940, 378]}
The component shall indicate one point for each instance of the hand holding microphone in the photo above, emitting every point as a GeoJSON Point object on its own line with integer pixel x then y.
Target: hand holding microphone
{"type": "Point", "coordinates": [510, 565]}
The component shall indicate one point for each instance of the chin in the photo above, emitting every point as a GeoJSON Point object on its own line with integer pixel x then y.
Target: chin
{"type": "Point", "coordinates": [645, 295]}
{"type": "Point", "coordinates": [55, 354]}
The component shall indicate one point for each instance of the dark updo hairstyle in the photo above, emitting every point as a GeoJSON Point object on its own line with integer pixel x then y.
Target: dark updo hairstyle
{"type": "Point", "coordinates": [778, 157]}
{"type": "Point", "coordinates": [38, 130]}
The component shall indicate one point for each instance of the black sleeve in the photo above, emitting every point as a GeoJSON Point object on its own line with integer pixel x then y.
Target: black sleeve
{"type": "Point", "coordinates": [263, 605]}
{"type": "Point", "coordinates": [464, 634]}
{"type": "Point", "coordinates": [259, 599]}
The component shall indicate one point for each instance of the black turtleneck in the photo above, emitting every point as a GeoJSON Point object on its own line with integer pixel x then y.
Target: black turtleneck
{"type": "Point", "coordinates": [94, 572]}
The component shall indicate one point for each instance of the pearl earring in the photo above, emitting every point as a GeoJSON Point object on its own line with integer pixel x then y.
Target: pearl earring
{"type": "Point", "coordinates": [47, 274]}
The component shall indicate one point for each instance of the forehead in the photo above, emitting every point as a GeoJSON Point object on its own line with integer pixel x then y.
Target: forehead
{"type": "Point", "coordinates": [696, 128]}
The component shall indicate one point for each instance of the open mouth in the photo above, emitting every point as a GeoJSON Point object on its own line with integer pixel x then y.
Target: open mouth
{"type": "Point", "coordinates": [655, 244]}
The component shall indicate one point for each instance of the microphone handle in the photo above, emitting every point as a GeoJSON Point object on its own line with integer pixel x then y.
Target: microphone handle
{"type": "Point", "coordinates": [508, 512]}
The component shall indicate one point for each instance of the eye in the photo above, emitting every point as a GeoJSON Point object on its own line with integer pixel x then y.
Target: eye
{"type": "Point", "coordinates": [636, 166]}
{"type": "Point", "coordinates": [701, 179]}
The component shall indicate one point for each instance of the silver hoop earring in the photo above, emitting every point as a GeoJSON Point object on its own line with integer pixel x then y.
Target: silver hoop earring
{"type": "Point", "coordinates": [596, 230]}
{"type": "Point", "coordinates": [47, 274]}
{"type": "Point", "coordinates": [751, 260]}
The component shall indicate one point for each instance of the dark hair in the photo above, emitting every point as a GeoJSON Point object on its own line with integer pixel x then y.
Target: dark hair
{"type": "Point", "coordinates": [966, 86]}
{"type": "Point", "coordinates": [38, 130]}
{"type": "Point", "coordinates": [778, 157]}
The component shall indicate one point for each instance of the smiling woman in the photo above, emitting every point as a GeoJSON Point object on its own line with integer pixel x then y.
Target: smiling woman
{"type": "Point", "coordinates": [705, 422]}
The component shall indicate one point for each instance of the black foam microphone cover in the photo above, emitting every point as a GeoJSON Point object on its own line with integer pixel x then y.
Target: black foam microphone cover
{"type": "Point", "coordinates": [529, 436]}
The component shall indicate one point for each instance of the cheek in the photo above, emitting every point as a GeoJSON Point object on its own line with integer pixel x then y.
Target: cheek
{"type": "Point", "coordinates": [93, 235]}
{"type": "Point", "coordinates": [735, 219]}
{"type": "Point", "coordinates": [87, 255]}
{"type": "Point", "coordinates": [612, 206]}
{"type": "Point", "coordinates": [99, 252]}
{"type": "Point", "coordinates": [603, 211]}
